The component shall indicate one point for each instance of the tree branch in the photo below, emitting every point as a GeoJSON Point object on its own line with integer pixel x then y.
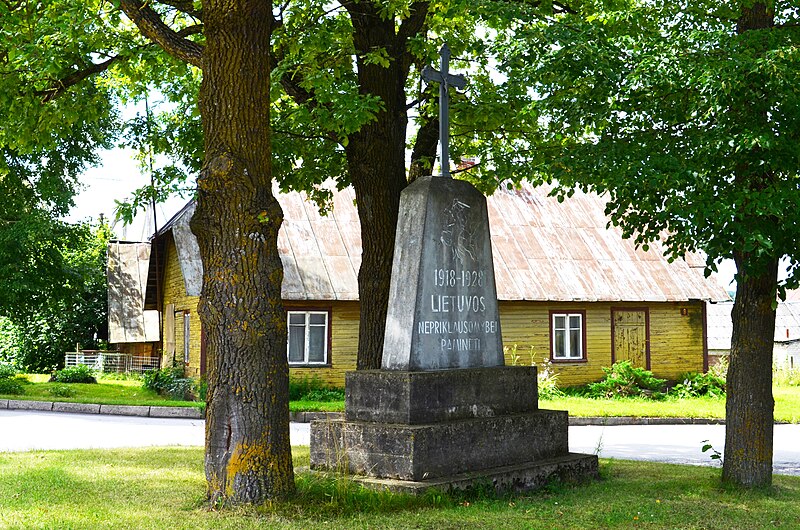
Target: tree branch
{"type": "Point", "coordinates": [184, 6]}
{"type": "Point", "coordinates": [61, 85]}
{"type": "Point", "coordinates": [409, 28]}
{"type": "Point", "coordinates": [152, 27]}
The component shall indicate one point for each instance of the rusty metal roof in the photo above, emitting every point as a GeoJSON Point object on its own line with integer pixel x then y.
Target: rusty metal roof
{"type": "Point", "coordinates": [543, 250]}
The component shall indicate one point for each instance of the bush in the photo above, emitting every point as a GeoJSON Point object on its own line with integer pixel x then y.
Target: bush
{"type": "Point", "coordinates": [74, 374]}
{"type": "Point", "coordinates": [787, 376]}
{"type": "Point", "coordinates": [694, 384]}
{"type": "Point", "coordinates": [324, 394]}
{"type": "Point", "coordinates": [170, 382]}
{"type": "Point", "coordinates": [7, 371]}
{"type": "Point", "coordinates": [547, 381]}
{"type": "Point", "coordinates": [625, 380]}
{"type": "Point", "coordinates": [12, 386]}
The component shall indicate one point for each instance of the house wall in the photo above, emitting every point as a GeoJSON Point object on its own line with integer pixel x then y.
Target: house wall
{"type": "Point", "coordinates": [676, 340]}
{"type": "Point", "coordinates": [676, 336]}
{"type": "Point", "coordinates": [786, 355]}
{"type": "Point", "coordinates": [343, 333]}
{"type": "Point", "coordinates": [174, 293]}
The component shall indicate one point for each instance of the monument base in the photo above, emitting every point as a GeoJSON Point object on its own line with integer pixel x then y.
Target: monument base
{"type": "Point", "coordinates": [573, 468]}
{"type": "Point", "coordinates": [411, 431]}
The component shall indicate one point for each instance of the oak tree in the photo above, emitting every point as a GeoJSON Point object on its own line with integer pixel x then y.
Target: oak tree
{"type": "Point", "coordinates": [686, 116]}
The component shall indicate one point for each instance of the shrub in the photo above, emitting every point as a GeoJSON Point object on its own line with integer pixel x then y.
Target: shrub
{"type": "Point", "coordinates": [170, 382]}
{"type": "Point", "coordinates": [694, 384]}
{"type": "Point", "coordinates": [74, 374]}
{"type": "Point", "coordinates": [60, 390]}
{"type": "Point", "coordinates": [547, 380]}
{"type": "Point", "coordinates": [787, 377]}
{"type": "Point", "coordinates": [720, 369]}
{"type": "Point", "coordinates": [324, 394]}
{"type": "Point", "coordinates": [12, 386]}
{"type": "Point", "coordinates": [625, 380]}
{"type": "Point", "coordinates": [299, 388]}
{"type": "Point", "coordinates": [7, 371]}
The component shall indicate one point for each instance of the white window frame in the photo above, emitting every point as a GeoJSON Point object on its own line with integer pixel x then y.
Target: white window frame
{"type": "Point", "coordinates": [307, 335]}
{"type": "Point", "coordinates": [566, 332]}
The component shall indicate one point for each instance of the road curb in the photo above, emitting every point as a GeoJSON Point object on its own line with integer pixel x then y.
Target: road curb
{"type": "Point", "coordinates": [306, 417]}
{"type": "Point", "coordinates": [146, 411]}
{"type": "Point", "coordinates": [611, 421]}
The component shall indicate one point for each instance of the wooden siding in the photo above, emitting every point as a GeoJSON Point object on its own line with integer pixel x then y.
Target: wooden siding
{"type": "Point", "coordinates": [343, 332]}
{"type": "Point", "coordinates": [175, 294]}
{"type": "Point", "coordinates": [676, 340]}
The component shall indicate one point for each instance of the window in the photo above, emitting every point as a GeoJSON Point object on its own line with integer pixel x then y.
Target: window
{"type": "Point", "coordinates": [308, 337]}
{"type": "Point", "coordinates": [187, 333]}
{"type": "Point", "coordinates": [567, 336]}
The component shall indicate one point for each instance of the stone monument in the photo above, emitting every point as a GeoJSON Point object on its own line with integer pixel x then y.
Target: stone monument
{"type": "Point", "coordinates": [443, 410]}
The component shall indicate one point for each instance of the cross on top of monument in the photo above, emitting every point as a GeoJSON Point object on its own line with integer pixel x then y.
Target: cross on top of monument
{"type": "Point", "coordinates": [445, 80]}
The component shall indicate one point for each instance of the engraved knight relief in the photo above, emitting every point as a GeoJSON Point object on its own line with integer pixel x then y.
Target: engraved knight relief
{"type": "Point", "coordinates": [459, 231]}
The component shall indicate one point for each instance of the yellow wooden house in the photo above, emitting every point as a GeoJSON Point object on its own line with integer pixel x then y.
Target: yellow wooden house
{"type": "Point", "coordinates": [571, 290]}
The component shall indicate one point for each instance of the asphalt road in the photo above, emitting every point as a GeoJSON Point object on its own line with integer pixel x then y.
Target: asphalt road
{"type": "Point", "coordinates": [22, 430]}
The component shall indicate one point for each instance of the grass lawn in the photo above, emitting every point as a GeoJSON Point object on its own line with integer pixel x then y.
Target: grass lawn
{"type": "Point", "coordinates": [787, 406]}
{"type": "Point", "coordinates": [106, 392]}
{"type": "Point", "coordinates": [164, 488]}
{"type": "Point", "coordinates": [130, 392]}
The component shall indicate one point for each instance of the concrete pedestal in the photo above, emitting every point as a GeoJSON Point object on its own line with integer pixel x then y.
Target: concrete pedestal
{"type": "Point", "coordinates": [408, 431]}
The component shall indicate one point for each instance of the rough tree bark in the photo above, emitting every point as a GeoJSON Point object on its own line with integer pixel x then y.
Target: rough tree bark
{"type": "Point", "coordinates": [248, 454]}
{"type": "Point", "coordinates": [376, 163]}
{"type": "Point", "coordinates": [750, 405]}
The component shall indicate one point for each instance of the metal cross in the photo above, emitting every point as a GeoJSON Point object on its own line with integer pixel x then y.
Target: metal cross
{"type": "Point", "coordinates": [445, 80]}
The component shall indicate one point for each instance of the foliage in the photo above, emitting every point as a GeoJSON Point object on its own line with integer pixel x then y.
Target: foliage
{"type": "Point", "coordinates": [7, 371]}
{"type": "Point", "coordinates": [324, 395]}
{"type": "Point", "coordinates": [12, 386]}
{"type": "Point", "coordinates": [62, 391]}
{"type": "Point", "coordinates": [105, 392]}
{"type": "Point", "coordinates": [162, 488]}
{"type": "Point", "coordinates": [547, 379]}
{"type": "Point", "coordinates": [75, 374]}
{"type": "Point", "coordinates": [787, 376]}
{"type": "Point", "coordinates": [301, 386]}
{"type": "Point", "coordinates": [35, 338]}
{"type": "Point", "coordinates": [546, 376]}
{"type": "Point", "coordinates": [625, 380]}
{"type": "Point", "coordinates": [695, 384]}
{"type": "Point", "coordinates": [171, 382]}
{"type": "Point", "coordinates": [720, 368]}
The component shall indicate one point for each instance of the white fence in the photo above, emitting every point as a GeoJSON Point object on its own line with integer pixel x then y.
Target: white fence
{"type": "Point", "coordinates": [111, 361]}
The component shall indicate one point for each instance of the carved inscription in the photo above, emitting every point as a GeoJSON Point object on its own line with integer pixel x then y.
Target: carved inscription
{"type": "Point", "coordinates": [455, 302]}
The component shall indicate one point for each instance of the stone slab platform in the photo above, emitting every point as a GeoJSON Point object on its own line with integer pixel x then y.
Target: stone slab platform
{"type": "Point", "coordinates": [428, 451]}
{"type": "Point", "coordinates": [391, 396]}
{"type": "Point", "coordinates": [570, 468]}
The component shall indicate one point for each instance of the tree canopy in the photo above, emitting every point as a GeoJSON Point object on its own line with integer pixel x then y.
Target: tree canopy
{"type": "Point", "coordinates": [686, 116]}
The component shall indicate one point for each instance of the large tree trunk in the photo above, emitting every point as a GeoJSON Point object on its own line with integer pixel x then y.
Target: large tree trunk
{"type": "Point", "coordinates": [248, 455]}
{"type": "Point", "coordinates": [376, 163]}
{"type": "Point", "coordinates": [749, 407]}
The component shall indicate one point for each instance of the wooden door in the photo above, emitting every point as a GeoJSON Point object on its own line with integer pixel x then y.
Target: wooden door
{"type": "Point", "coordinates": [630, 341]}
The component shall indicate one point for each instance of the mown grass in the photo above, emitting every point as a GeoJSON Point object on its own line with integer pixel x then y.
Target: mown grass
{"type": "Point", "coordinates": [787, 406]}
{"type": "Point", "coordinates": [158, 488]}
{"type": "Point", "coordinates": [130, 392]}
{"type": "Point", "coordinates": [105, 392]}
